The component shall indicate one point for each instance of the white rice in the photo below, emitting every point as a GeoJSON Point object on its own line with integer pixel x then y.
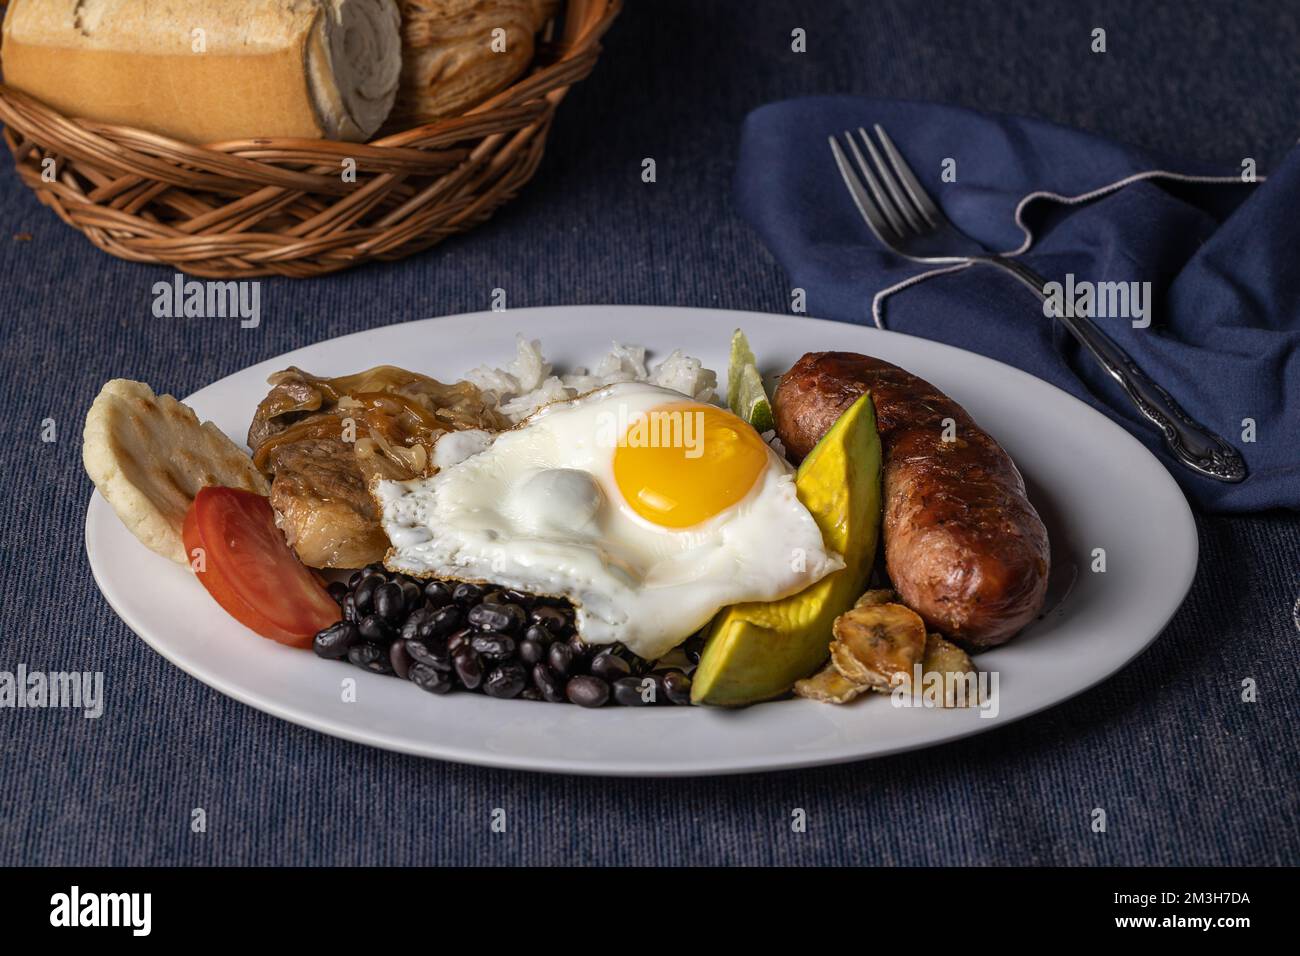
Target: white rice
{"type": "Point", "coordinates": [526, 383]}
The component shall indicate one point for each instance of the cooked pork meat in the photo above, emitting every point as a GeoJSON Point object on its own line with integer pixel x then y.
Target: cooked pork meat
{"type": "Point", "coordinates": [321, 500]}
{"type": "Point", "coordinates": [321, 440]}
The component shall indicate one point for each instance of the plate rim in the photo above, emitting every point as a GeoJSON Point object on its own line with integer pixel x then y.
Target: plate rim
{"type": "Point", "coordinates": [603, 767]}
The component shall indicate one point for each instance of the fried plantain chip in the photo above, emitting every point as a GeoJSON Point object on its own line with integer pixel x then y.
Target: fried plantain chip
{"type": "Point", "coordinates": [875, 643]}
{"type": "Point", "coordinates": [853, 670]}
{"type": "Point", "coordinates": [829, 686]}
{"type": "Point", "coordinates": [945, 658]}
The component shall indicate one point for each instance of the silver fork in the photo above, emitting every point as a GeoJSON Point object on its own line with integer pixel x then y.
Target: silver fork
{"type": "Point", "coordinates": [905, 219]}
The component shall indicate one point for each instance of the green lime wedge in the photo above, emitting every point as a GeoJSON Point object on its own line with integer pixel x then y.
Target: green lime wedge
{"type": "Point", "coordinates": [746, 395]}
{"type": "Point", "coordinates": [741, 355]}
{"type": "Point", "coordinates": [754, 406]}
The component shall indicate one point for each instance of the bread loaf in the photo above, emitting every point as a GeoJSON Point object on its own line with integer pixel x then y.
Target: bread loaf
{"type": "Point", "coordinates": [453, 58]}
{"type": "Point", "coordinates": [210, 70]}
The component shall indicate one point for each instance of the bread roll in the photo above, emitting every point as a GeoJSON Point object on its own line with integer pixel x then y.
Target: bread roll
{"type": "Point", "coordinates": [210, 70]}
{"type": "Point", "coordinates": [449, 62]}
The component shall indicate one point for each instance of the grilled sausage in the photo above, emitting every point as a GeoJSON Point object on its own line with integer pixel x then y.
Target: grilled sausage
{"type": "Point", "coordinates": [963, 546]}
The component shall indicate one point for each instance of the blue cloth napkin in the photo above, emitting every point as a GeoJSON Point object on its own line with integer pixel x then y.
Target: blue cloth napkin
{"type": "Point", "coordinates": [1222, 257]}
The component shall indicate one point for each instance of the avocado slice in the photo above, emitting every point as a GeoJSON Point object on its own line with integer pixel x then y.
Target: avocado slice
{"type": "Point", "coordinates": [756, 651]}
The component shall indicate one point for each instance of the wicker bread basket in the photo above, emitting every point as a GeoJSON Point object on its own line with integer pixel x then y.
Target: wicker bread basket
{"type": "Point", "coordinates": [280, 206]}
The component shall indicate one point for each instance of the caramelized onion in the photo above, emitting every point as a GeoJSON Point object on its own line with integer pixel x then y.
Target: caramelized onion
{"type": "Point", "coordinates": [395, 412]}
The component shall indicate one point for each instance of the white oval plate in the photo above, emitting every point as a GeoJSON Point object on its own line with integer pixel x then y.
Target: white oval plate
{"type": "Point", "coordinates": [1094, 484]}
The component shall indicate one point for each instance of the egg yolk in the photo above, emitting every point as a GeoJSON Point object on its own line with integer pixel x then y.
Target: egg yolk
{"type": "Point", "coordinates": [682, 463]}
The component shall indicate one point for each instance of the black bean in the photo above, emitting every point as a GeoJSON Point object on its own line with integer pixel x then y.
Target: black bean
{"type": "Point", "coordinates": [535, 632]}
{"type": "Point", "coordinates": [460, 639]}
{"type": "Point", "coordinates": [466, 593]}
{"type": "Point", "coordinates": [531, 693]}
{"type": "Point", "coordinates": [364, 594]}
{"type": "Point", "coordinates": [333, 642]}
{"type": "Point", "coordinates": [338, 591]}
{"type": "Point", "coordinates": [444, 620]}
{"type": "Point", "coordinates": [495, 597]}
{"type": "Point", "coordinates": [495, 647]}
{"type": "Point", "coordinates": [609, 666]}
{"type": "Point", "coordinates": [373, 628]}
{"type": "Point", "coordinates": [410, 629]}
{"type": "Point", "coordinates": [531, 652]}
{"type": "Point", "coordinates": [560, 658]}
{"type": "Point", "coordinates": [637, 665]}
{"type": "Point", "coordinates": [437, 594]}
{"type": "Point", "coordinates": [372, 571]}
{"type": "Point", "coordinates": [506, 618]}
{"type": "Point", "coordinates": [372, 657]}
{"type": "Point", "coordinates": [429, 653]}
{"type": "Point", "coordinates": [546, 681]}
{"type": "Point", "coordinates": [399, 659]}
{"type": "Point", "coordinates": [389, 601]}
{"type": "Point", "coordinates": [505, 681]}
{"type": "Point", "coordinates": [350, 612]}
{"type": "Point", "coordinates": [657, 695]}
{"type": "Point", "coordinates": [519, 597]}
{"type": "Point", "coordinates": [469, 667]}
{"type": "Point", "coordinates": [636, 691]}
{"type": "Point", "coordinates": [518, 616]}
{"type": "Point", "coordinates": [587, 691]}
{"type": "Point", "coordinates": [677, 686]}
{"type": "Point", "coordinates": [430, 679]}
{"type": "Point", "coordinates": [551, 618]}
{"type": "Point", "coordinates": [581, 649]}
{"type": "Point", "coordinates": [693, 646]}
{"type": "Point", "coordinates": [412, 595]}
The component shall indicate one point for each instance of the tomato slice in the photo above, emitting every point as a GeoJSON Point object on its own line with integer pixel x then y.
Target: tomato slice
{"type": "Point", "coordinates": [250, 570]}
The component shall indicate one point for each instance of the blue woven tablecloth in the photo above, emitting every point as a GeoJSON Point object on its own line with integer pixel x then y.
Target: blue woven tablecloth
{"type": "Point", "coordinates": [1186, 771]}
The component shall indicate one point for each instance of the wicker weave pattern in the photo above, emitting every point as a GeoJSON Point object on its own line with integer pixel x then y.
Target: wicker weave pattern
{"type": "Point", "coordinates": [281, 206]}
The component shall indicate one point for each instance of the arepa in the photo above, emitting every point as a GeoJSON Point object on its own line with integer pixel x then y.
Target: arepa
{"type": "Point", "coordinates": [149, 455]}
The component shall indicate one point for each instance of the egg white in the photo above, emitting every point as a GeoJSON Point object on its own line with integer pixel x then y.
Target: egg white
{"type": "Point", "coordinates": [539, 510]}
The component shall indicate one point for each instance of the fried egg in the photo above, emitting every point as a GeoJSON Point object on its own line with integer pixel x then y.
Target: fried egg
{"type": "Point", "coordinates": [648, 510]}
